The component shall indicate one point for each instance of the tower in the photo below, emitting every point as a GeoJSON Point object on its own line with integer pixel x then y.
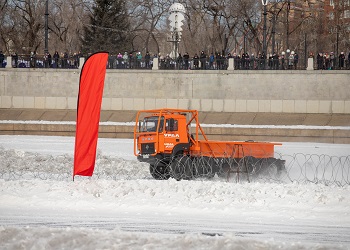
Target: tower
{"type": "Point", "coordinates": [176, 17]}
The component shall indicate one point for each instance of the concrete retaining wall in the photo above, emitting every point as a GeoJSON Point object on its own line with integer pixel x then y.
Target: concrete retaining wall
{"type": "Point", "coordinates": [215, 91]}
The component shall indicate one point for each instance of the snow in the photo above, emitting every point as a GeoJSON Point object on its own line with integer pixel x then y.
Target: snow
{"type": "Point", "coordinates": [311, 127]}
{"type": "Point", "coordinates": [122, 207]}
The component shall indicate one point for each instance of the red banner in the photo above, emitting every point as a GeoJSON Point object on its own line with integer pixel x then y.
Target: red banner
{"type": "Point", "coordinates": [91, 85]}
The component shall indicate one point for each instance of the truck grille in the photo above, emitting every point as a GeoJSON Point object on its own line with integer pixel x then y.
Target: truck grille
{"type": "Point", "coordinates": [147, 148]}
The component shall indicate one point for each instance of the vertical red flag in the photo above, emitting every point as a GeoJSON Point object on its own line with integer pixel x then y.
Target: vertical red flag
{"type": "Point", "coordinates": [91, 84]}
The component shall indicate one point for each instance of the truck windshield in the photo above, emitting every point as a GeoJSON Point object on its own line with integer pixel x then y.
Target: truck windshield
{"type": "Point", "coordinates": [149, 124]}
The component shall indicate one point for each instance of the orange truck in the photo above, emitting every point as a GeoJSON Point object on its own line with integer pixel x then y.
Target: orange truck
{"type": "Point", "coordinates": [174, 144]}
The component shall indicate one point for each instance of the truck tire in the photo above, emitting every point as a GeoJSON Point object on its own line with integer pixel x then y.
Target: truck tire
{"type": "Point", "coordinates": [181, 168]}
{"type": "Point", "coordinates": [159, 172]}
{"type": "Point", "coordinates": [224, 170]}
{"type": "Point", "coordinates": [278, 168]}
{"type": "Point", "coordinates": [204, 167]}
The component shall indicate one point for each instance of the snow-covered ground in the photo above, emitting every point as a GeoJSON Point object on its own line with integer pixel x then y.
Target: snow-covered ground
{"type": "Point", "coordinates": [122, 207]}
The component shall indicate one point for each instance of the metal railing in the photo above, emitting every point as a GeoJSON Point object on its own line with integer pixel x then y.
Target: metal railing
{"type": "Point", "coordinates": [330, 63]}
{"type": "Point", "coordinates": [129, 63]}
{"type": "Point", "coordinates": [72, 62]}
{"type": "Point", "coordinates": [268, 64]}
{"type": "Point", "coordinates": [38, 61]}
{"type": "Point", "coordinates": [217, 64]}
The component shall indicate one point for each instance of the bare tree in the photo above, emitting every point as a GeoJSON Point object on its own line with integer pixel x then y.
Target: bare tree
{"type": "Point", "coordinates": [23, 25]}
{"type": "Point", "coordinates": [224, 23]}
{"type": "Point", "coordinates": [149, 24]}
{"type": "Point", "coordinates": [336, 29]}
{"type": "Point", "coordinates": [66, 20]}
{"type": "Point", "coordinates": [249, 12]}
{"type": "Point", "coordinates": [6, 27]}
{"type": "Point", "coordinates": [211, 25]}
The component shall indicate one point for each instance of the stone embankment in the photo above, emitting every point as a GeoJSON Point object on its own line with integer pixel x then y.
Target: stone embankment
{"type": "Point", "coordinates": [283, 127]}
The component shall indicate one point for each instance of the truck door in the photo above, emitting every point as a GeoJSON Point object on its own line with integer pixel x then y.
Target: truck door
{"type": "Point", "coordinates": [171, 134]}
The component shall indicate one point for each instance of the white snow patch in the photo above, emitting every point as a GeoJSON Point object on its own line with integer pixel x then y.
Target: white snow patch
{"type": "Point", "coordinates": [203, 125]}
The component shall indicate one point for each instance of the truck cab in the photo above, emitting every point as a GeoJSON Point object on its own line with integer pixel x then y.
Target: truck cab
{"type": "Point", "coordinates": [160, 134]}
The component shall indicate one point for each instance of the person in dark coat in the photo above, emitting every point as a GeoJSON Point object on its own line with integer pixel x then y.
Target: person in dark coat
{"type": "Point", "coordinates": [56, 58]}
{"type": "Point", "coordinates": [296, 60]}
{"type": "Point", "coordinates": [179, 61]}
{"type": "Point", "coordinates": [275, 58]}
{"type": "Point", "coordinates": [319, 60]}
{"type": "Point", "coordinates": [203, 59]}
{"type": "Point", "coordinates": [186, 59]}
{"type": "Point", "coordinates": [15, 60]}
{"type": "Point", "coordinates": [196, 61]}
{"type": "Point", "coordinates": [2, 59]}
{"type": "Point", "coordinates": [65, 60]}
{"type": "Point", "coordinates": [49, 59]}
{"type": "Point", "coordinates": [147, 59]}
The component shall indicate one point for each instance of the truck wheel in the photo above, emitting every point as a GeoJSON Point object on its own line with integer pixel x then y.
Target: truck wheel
{"type": "Point", "coordinates": [204, 167]}
{"type": "Point", "coordinates": [248, 165]}
{"type": "Point", "coordinates": [268, 169]}
{"type": "Point", "coordinates": [224, 170]}
{"type": "Point", "coordinates": [181, 168]}
{"type": "Point", "coordinates": [159, 172]}
{"type": "Point", "coordinates": [278, 166]}
{"type": "Point", "coordinates": [271, 170]}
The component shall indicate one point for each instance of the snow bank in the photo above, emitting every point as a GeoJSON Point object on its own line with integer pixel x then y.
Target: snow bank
{"type": "Point", "coordinates": [150, 214]}
{"type": "Point", "coordinates": [82, 238]}
{"type": "Point", "coordinates": [281, 201]}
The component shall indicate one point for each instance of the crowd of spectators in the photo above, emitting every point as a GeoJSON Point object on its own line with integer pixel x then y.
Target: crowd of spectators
{"type": "Point", "coordinates": [130, 60]}
{"type": "Point", "coordinates": [58, 60]}
{"type": "Point", "coordinates": [199, 61]}
{"type": "Point", "coordinates": [288, 60]}
{"type": "Point", "coordinates": [329, 61]}
{"type": "Point", "coordinates": [219, 61]}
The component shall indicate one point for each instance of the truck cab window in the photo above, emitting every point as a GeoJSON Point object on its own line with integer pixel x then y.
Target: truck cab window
{"type": "Point", "coordinates": [149, 124]}
{"type": "Point", "coordinates": [172, 125]}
